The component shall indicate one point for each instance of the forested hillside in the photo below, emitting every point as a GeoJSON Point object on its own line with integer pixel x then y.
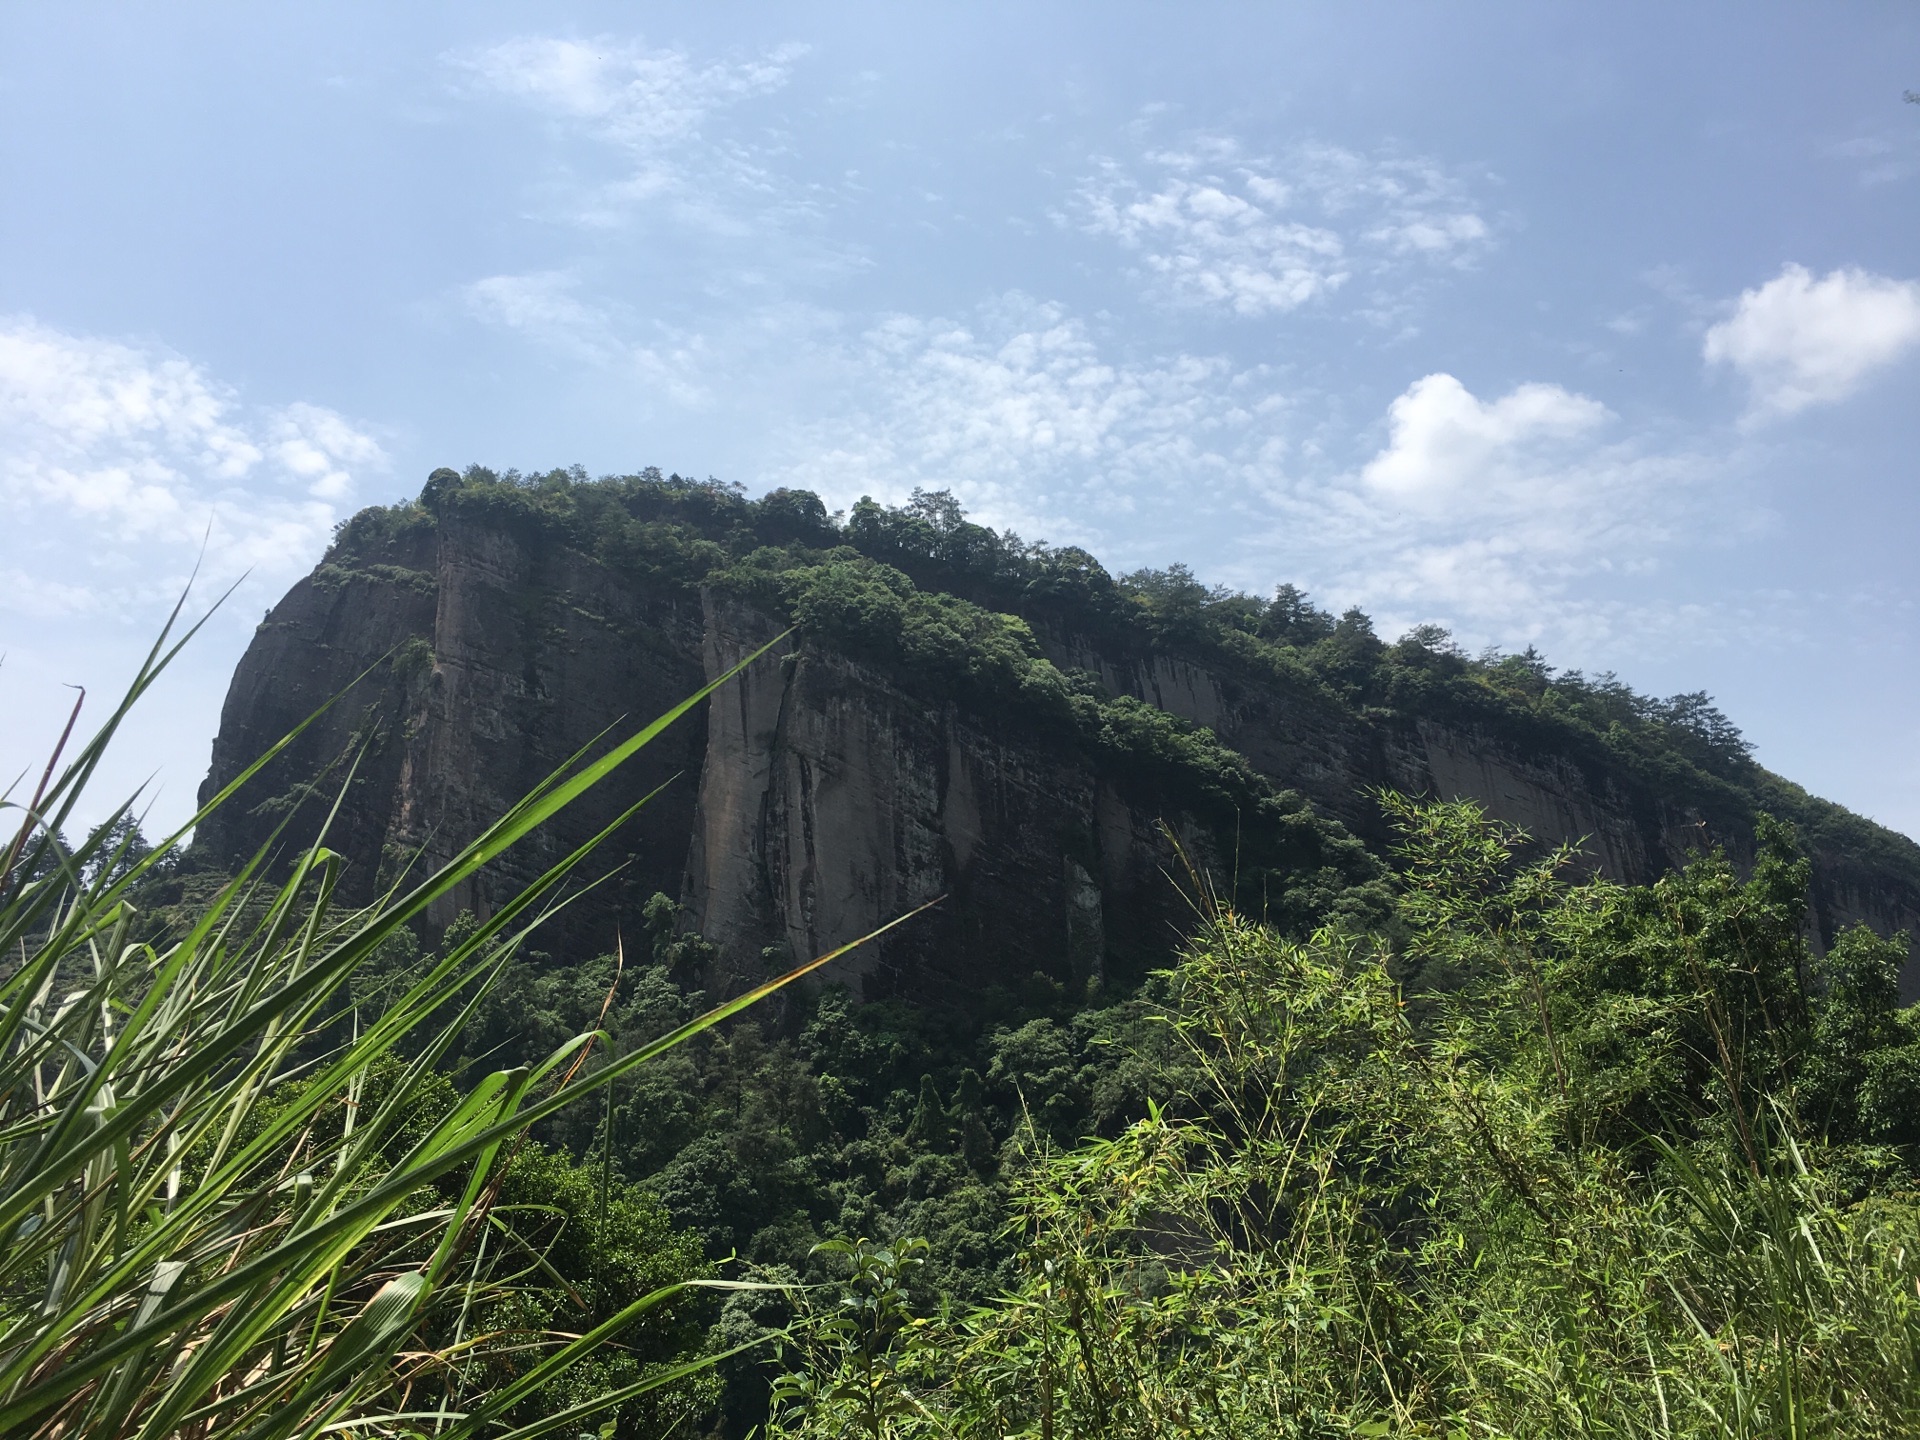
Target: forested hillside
{"type": "Point", "coordinates": [1132, 797]}
{"type": "Point", "coordinates": [955, 713]}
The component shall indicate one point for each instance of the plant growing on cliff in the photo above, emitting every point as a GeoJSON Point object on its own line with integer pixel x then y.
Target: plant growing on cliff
{"type": "Point", "coordinates": [227, 1217]}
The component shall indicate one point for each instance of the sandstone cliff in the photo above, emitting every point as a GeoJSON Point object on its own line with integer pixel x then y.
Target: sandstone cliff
{"type": "Point", "coordinates": [829, 788]}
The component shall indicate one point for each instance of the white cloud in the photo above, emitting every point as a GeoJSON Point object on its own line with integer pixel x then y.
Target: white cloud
{"type": "Point", "coordinates": [1220, 229]}
{"type": "Point", "coordinates": [44, 598]}
{"type": "Point", "coordinates": [1446, 443]}
{"type": "Point", "coordinates": [658, 106]}
{"type": "Point", "coordinates": [318, 446]}
{"type": "Point", "coordinates": [1019, 411]}
{"type": "Point", "coordinates": [118, 462]}
{"type": "Point", "coordinates": [1432, 234]}
{"type": "Point", "coordinates": [1799, 341]}
{"type": "Point", "coordinates": [1511, 519]}
{"type": "Point", "coordinates": [1211, 247]}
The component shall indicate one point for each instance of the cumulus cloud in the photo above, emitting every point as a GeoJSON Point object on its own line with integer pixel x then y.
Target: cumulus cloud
{"type": "Point", "coordinates": [1798, 341]}
{"type": "Point", "coordinates": [1511, 518]}
{"type": "Point", "coordinates": [1218, 228]}
{"type": "Point", "coordinates": [118, 461]}
{"type": "Point", "coordinates": [1445, 442]}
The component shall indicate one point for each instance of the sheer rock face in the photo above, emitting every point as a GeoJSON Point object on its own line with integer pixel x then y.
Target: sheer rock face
{"type": "Point", "coordinates": [813, 799]}
{"type": "Point", "coordinates": [312, 649]}
{"type": "Point", "coordinates": [1306, 745]}
{"type": "Point", "coordinates": [831, 801]}
{"type": "Point", "coordinates": [483, 667]}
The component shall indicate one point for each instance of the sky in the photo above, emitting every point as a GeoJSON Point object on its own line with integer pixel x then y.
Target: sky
{"type": "Point", "coordinates": [1588, 327]}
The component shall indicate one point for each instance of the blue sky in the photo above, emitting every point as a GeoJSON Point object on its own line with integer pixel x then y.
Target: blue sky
{"type": "Point", "coordinates": [1589, 327]}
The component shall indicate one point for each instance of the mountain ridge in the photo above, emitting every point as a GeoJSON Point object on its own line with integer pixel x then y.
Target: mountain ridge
{"type": "Point", "coordinates": [954, 713]}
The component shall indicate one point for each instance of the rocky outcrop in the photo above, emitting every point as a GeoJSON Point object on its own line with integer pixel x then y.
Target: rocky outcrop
{"type": "Point", "coordinates": [832, 801]}
{"type": "Point", "coordinates": [811, 802]}
{"type": "Point", "coordinates": [814, 797]}
{"type": "Point", "coordinates": [463, 667]}
{"type": "Point", "coordinates": [1618, 829]}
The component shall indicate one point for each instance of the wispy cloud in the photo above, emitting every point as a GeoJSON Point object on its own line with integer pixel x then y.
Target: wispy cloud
{"type": "Point", "coordinates": [1884, 157]}
{"type": "Point", "coordinates": [546, 307]}
{"type": "Point", "coordinates": [658, 107]}
{"type": "Point", "coordinates": [1019, 409]}
{"type": "Point", "coordinates": [642, 99]}
{"type": "Point", "coordinates": [118, 461]}
{"type": "Point", "coordinates": [688, 368]}
{"type": "Point", "coordinates": [1519, 516]}
{"type": "Point", "coordinates": [1219, 228]}
{"type": "Point", "coordinates": [1798, 341]}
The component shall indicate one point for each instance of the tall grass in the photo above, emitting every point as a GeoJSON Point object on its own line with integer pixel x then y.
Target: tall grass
{"type": "Point", "coordinates": [226, 1212]}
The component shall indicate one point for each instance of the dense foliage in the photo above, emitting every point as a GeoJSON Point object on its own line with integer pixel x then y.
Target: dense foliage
{"type": "Point", "coordinates": [1546, 1155]}
{"type": "Point", "coordinates": [1609, 1162]}
{"type": "Point", "coordinates": [1540, 1149]}
{"type": "Point", "coordinates": [1477, 1149]}
{"type": "Point", "coordinates": [825, 1119]}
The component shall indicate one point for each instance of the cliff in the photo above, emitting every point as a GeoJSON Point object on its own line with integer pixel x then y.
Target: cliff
{"type": "Point", "coordinates": [951, 714]}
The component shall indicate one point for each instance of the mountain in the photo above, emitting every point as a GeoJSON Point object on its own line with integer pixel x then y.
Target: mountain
{"type": "Point", "coordinates": [944, 712]}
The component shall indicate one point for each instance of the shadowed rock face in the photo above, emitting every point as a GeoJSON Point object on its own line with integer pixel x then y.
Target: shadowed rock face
{"type": "Point", "coordinates": [831, 801]}
{"type": "Point", "coordinates": [482, 665]}
{"type": "Point", "coordinates": [815, 797]}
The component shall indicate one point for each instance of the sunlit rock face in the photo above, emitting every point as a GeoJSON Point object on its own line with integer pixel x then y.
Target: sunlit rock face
{"type": "Point", "coordinates": [816, 796]}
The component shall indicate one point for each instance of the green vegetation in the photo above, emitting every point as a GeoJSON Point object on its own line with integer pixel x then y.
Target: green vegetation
{"type": "Point", "coordinates": [1541, 1156]}
{"type": "Point", "coordinates": [1534, 1157]}
{"type": "Point", "coordinates": [828, 1118]}
{"type": "Point", "coordinates": [1571, 1159]}
{"type": "Point", "coordinates": [239, 1204]}
{"type": "Point", "coordinates": [1456, 1141]}
{"type": "Point", "coordinates": [953, 608]}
